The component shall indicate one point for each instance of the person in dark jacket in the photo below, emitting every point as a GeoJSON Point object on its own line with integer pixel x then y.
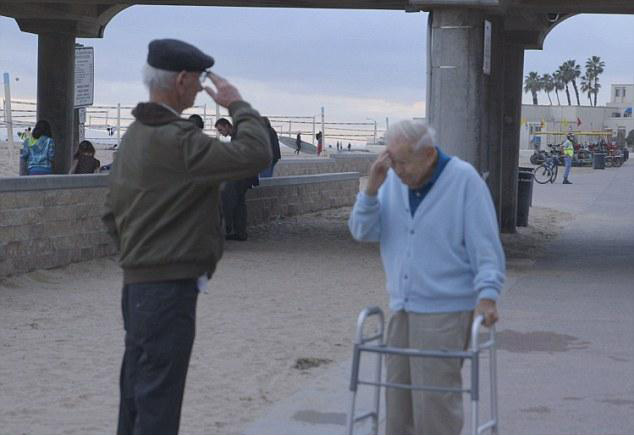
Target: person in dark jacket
{"type": "Point", "coordinates": [234, 200]}
{"type": "Point", "coordinates": [275, 149]}
{"type": "Point", "coordinates": [298, 143]}
{"type": "Point", "coordinates": [197, 120]}
{"type": "Point", "coordinates": [84, 160]}
{"type": "Point", "coordinates": [162, 187]}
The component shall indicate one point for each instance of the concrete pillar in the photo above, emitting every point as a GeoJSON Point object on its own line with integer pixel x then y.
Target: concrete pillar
{"type": "Point", "coordinates": [491, 135]}
{"type": "Point", "coordinates": [465, 104]}
{"type": "Point", "coordinates": [456, 85]}
{"type": "Point", "coordinates": [513, 74]}
{"type": "Point", "coordinates": [56, 92]}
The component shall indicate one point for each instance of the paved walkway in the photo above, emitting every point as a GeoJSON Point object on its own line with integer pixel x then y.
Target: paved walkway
{"type": "Point", "coordinates": [566, 359]}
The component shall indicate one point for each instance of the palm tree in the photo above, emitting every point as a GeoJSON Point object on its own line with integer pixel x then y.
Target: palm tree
{"type": "Point", "coordinates": [586, 86]}
{"type": "Point", "coordinates": [533, 84]}
{"type": "Point", "coordinates": [566, 75]}
{"type": "Point", "coordinates": [595, 91]}
{"type": "Point", "coordinates": [594, 68]}
{"type": "Point", "coordinates": [559, 84]}
{"type": "Point", "coordinates": [575, 72]}
{"type": "Point", "coordinates": [548, 84]}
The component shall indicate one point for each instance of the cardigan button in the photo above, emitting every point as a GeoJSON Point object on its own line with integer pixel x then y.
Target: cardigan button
{"type": "Point", "coordinates": [411, 231]}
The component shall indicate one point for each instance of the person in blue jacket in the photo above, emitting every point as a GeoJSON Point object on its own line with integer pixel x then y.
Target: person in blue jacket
{"type": "Point", "coordinates": [439, 240]}
{"type": "Point", "coordinates": [38, 151]}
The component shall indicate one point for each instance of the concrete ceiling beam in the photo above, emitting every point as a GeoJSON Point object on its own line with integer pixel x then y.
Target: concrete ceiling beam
{"type": "Point", "coordinates": [76, 28]}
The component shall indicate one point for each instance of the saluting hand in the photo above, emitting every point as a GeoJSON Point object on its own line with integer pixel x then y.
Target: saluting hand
{"type": "Point", "coordinates": [225, 92]}
{"type": "Point", "coordinates": [378, 172]}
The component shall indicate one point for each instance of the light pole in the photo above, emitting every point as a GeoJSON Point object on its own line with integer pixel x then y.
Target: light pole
{"type": "Point", "coordinates": [373, 120]}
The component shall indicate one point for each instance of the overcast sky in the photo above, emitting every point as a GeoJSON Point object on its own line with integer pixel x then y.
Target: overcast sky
{"type": "Point", "coordinates": [358, 64]}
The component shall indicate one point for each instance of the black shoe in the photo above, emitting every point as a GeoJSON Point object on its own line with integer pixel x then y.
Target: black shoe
{"type": "Point", "coordinates": [566, 182]}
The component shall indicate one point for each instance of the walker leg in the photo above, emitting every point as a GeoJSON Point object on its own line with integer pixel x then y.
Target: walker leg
{"type": "Point", "coordinates": [354, 379]}
{"type": "Point", "coordinates": [494, 389]}
{"type": "Point", "coordinates": [475, 392]}
{"type": "Point", "coordinates": [377, 395]}
{"type": "Point", "coordinates": [353, 399]}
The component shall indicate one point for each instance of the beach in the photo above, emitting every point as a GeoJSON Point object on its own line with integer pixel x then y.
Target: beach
{"type": "Point", "coordinates": [281, 310]}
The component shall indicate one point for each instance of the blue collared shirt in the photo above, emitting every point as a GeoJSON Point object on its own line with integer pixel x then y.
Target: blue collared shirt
{"type": "Point", "coordinates": [416, 196]}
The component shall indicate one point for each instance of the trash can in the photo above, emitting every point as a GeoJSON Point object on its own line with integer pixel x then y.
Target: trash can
{"type": "Point", "coordinates": [524, 195]}
{"type": "Point", "coordinates": [598, 161]}
{"type": "Point", "coordinates": [528, 171]}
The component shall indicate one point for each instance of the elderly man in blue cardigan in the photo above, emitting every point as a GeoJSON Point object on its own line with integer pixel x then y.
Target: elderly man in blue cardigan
{"type": "Point", "coordinates": [434, 219]}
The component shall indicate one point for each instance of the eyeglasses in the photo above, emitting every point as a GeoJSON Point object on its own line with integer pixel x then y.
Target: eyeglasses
{"type": "Point", "coordinates": [204, 78]}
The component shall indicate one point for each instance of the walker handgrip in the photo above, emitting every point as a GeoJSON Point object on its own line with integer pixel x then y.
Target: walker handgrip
{"type": "Point", "coordinates": [371, 311]}
{"type": "Point", "coordinates": [478, 322]}
{"type": "Point", "coordinates": [367, 312]}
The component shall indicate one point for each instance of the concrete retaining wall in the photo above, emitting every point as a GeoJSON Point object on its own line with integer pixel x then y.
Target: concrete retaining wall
{"type": "Point", "coordinates": [51, 221]}
{"type": "Point", "coordinates": [340, 162]}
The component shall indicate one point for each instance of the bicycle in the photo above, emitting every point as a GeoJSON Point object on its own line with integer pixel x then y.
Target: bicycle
{"type": "Point", "coordinates": [546, 172]}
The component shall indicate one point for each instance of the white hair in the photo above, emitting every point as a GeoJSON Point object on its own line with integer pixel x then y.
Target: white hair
{"type": "Point", "coordinates": [158, 79]}
{"type": "Point", "coordinates": [417, 134]}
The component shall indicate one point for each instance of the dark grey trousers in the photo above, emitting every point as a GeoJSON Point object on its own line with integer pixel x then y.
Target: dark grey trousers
{"type": "Point", "coordinates": [160, 321]}
{"type": "Point", "coordinates": [234, 207]}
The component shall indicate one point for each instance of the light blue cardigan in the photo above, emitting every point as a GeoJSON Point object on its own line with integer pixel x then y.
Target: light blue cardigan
{"type": "Point", "coordinates": [448, 255]}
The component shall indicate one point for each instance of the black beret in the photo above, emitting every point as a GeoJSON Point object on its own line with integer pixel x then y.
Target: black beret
{"type": "Point", "coordinates": [175, 55]}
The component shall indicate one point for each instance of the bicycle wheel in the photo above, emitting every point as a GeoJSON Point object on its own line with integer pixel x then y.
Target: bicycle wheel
{"type": "Point", "coordinates": [542, 174]}
{"type": "Point", "coordinates": [553, 175]}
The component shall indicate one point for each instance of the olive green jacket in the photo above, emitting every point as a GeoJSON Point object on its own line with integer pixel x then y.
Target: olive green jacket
{"type": "Point", "coordinates": [162, 208]}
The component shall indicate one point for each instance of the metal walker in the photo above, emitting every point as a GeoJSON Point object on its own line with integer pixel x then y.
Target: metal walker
{"type": "Point", "coordinates": [473, 355]}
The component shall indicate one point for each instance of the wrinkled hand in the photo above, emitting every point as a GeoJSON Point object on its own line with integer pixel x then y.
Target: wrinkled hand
{"type": "Point", "coordinates": [378, 172]}
{"type": "Point", "coordinates": [488, 309]}
{"type": "Point", "coordinates": [225, 92]}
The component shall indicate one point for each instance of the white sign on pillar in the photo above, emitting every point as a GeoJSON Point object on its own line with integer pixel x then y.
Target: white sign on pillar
{"type": "Point", "coordinates": [82, 123]}
{"type": "Point", "coordinates": [84, 76]}
{"type": "Point", "coordinates": [486, 61]}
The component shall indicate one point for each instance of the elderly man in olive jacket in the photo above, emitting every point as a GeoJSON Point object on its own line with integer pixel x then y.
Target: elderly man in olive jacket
{"type": "Point", "coordinates": [162, 210]}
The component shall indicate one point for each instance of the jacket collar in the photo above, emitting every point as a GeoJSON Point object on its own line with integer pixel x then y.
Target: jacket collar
{"type": "Point", "coordinates": [154, 114]}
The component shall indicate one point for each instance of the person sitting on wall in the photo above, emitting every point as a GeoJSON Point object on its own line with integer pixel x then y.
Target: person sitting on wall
{"type": "Point", "coordinates": [38, 151]}
{"type": "Point", "coordinates": [85, 161]}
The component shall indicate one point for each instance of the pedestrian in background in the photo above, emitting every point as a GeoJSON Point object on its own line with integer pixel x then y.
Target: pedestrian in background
{"type": "Point", "coordinates": [197, 120]}
{"type": "Point", "coordinates": [434, 219]}
{"type": "Point", "coordinates": [38, 150]}
{"type": "Point", "coordinates": [320, 142]}
{"type": "Point", "coordinates": [162, 211]}
{"type": "Point", "coordinates": [234, 194]}
{"type": "Point", "coordinates": [275, 149]}
{"type": "Point", "coordinates": [569, 151]}
{"type": "Point", "coordinates": [298, 143]}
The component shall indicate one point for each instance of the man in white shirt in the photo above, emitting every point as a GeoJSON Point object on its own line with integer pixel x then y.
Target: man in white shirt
{"type": "Point", "coordinates": [436, 224]}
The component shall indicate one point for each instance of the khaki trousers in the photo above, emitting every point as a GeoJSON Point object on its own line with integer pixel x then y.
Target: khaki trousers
{"type": "Point", "coordinates": [423, 412]}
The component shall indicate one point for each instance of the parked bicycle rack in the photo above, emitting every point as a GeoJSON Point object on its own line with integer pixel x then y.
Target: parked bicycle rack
{"type": "Point", "coordinates": [473, 355]}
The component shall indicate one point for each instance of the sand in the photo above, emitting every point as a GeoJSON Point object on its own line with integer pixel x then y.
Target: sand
{"type": "Point", "coordinates": [282, 307]}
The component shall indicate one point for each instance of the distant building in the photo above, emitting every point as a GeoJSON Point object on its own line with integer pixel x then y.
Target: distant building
{"type": "Point", "coordinates": [615, 118]}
